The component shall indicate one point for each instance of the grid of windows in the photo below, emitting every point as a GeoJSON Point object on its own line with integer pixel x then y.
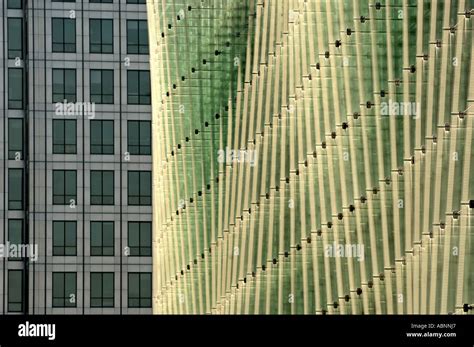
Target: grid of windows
{"type": "Point", "coordinates": [101, 35]}
{"type": "Point", "coordinates": [15, 138]}
{"type": "Point", "coordinates": [102, 238]}
{"type": "Point", "coordinates": [102, 137]}
{"type": "Point", "coordinates": [102, 187]}
{"type": "Point", "coordinates": [15, 88]}
{"type": "Point", "coordinates": [64, 238]}
{"type": "Point", "coordinates": [15, 189]}
{"type": "Point", "coordinates": [139, 137]}
{"type": "Point", "coordinates": [64, 85]}
{"type": "Point", "coordinates": [15, 290]}
{"type": "Point", "coordinates": [139, 289]}
{"type": "Point", "coordinates": [102, 289]}
{"type": "Point", "coordinates": [15, 38]}
{"type": "Point", "coordinates": [102, 86]}
{"type": "Point", "coordinates": [139, 239]}
{"type": "Point", "coordinates": [137, 37]}
{"type": "Point", "coordinates": [64, 187]}
{"type": "Point", "coordinates": [64, 289]}
{"type": "Point", "coordinates": [64, 136]}
{"type": "Point", "coordinates": [64, 35]}
{"type": "Point", "coordinates": [139, 188]}
{"type": "Point", "coordinates": [138, 87]}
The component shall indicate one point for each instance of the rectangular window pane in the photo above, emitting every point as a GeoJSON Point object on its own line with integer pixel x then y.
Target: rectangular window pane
{"type": "Point", "coordinates": [134, 238]}
{"type": "Point", "coordinates": [108, 86]}
{"type": "Point", "coordinates": [139, 137]}
{"type": "Point", "coordinates": [70, 137]}
{"type": "Point", "coordinates": [70, 185]}
{"type": "Point", "coordinates": [64, 289]}
{"type": "Point", "coordinates": [139, 290]}
{"type": "Point", "coordinates": [138, 87]}
{"type": "Point", "coordinates": [58, 34]}
{"type": "Point", "coordinates": [15, 189]}
{"type": "Point", "coordinates": [108, 137]}
{"type": "Point", "coordinates": [15, 231]}
{"type": "Point", "coordinates": [145, 188]}
{"type": "Point", "coordinates": [101, 35]}
{"type": "Point", "coordinates": [107, 34]}
{"type": "Point", "coordinates": [102, 137]}
{"type": "Point", "coordinates": [58, 187]}
{"type": "Point", "coordinates": [133, 290]}
{"type": "Point", "coordinates": [15, 38]}
{"type": "Point", "coordinates": [64, 187]}
{"type": "Point", "coordinates": [108, 188]}
{"type": "Point", "coordinates": [102, 86]}
{"type": "Point", "coordinates": [15, 88]}
{"type": "Point", "coordinates": [64, 35]}
{"type": "Point", "coordinates": [64, 136]}
{"type": "Point", "coordinates": [132, 36]}
{"type": "Point", "coordinates": [15, 138]}
{"type": "Point", "coordinates": [70, 290]}
{"type": "Point", "coordinates": [96, 136]}
{"type": "Point", "coordinates": [133, 188]}
{"type": "Point", "coordinates": [95, 35]}
{"type": "Point", "coordinates": [70, 85]}
{"type": "Point", "coordinates": [96, 85]}
{"type": "Point", "coordinates": [15, 290]}
{"type": "Point", "coordinates": [96, 187]}
{"type": "Point", "coordinates": [145, 88]}
{"type": "Point", "coordinates": [102, 238]}
{"type": "Point", "coordinates": [58, 136]}
{"type": "Point", "coordinates": [133, 137]}
{"type": "Point", "coordinates": [58, 238]}
{"type": "Point", "coordinates": [139, 239]}
{"type": "Point", "coordinates": [64, 85]}
{"type": "Point", "coordinates": [143, 37]}
{"type": "Point", "coordinates": [145, 290]}
{"type": "Point", "coordinates": [96, 238]}
{"type": "Point", "coordinates": [139, 188]}
{"type": "Point", "coordinates": [70, 35]}
{"type": "Point", "coordinates": [133, 90]}
{"type": "Point", "coordinates": [108, 238]}
{"type": "Point", "coordinates": [15, 235]}
{"type": "Point", "coordinates": [145, 239]}
{"type": "Point", "coordinates": [64, 238]}
{"type": "Point", "coordinates": [96, 289]}
{"type": "Point", "coordinates": [145, 137]}
{"type": "Point", "coordinates": [137, 37]}
{"type": "Point", "coordinates": [102, 289]}
{"type": "Point", "coordinates": [15, 4]}
{"type": "Point", "coordinates": [102, 188]}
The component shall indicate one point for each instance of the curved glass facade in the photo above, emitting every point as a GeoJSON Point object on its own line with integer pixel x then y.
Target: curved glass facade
{"type": "Point", "coordinates": [312, 156]}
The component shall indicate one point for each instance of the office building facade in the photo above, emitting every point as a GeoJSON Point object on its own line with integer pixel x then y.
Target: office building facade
{"type": "Point", "coordinates": [76, 157]}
